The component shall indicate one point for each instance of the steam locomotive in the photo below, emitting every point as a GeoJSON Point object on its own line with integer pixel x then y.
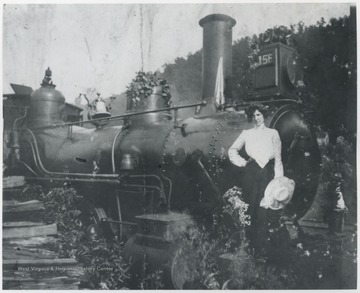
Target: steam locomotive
{"type": "Point", "coordinates": [140, 176]}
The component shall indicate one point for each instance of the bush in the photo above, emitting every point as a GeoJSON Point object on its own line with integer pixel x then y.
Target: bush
{"type": "Point", "coordinates": [197, 259]}
{"type": "Point", "coordinates": [104, 256]}
{"type": "Point", "coordinates": [245, 273]}
{"type": "Point", "coordinates": [102, 259]}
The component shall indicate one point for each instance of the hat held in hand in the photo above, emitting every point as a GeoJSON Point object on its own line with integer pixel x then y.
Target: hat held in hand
{"type": "Point", "coordinates": [278, 193]}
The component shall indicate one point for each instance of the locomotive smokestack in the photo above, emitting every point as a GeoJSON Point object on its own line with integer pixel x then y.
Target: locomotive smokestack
{"type": "Point", "coordinates": [216, 58]}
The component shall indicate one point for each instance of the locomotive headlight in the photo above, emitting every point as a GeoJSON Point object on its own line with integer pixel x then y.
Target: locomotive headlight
{"type": "Point", "coordinates": [292, 69]}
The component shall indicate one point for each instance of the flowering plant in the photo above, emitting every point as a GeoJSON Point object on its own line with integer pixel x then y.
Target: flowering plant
{"type": "Point", "coordinates": [336, 175]}
{"type": "Point", "coordinates": [236, 207]}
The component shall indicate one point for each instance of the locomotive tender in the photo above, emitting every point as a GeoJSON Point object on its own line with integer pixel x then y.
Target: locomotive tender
{"type": "Point", "coordinates": [149, 170]}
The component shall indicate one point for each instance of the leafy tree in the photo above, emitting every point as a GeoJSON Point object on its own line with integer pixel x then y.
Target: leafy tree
{"type": "Point", "coordinates": [184, 79]}
{"type": "Point", "coordinates": [328, 71]}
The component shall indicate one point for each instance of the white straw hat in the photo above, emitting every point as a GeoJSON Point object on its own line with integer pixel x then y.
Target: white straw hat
{"type": "Point", "coordinates": [278, 193]}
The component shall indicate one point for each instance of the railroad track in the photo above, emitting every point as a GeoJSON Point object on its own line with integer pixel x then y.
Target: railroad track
{"type": "Point", "coordinates": [30, 257]}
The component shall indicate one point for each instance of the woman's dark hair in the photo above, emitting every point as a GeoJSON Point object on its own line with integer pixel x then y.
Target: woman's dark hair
{"type": "Point", "coordinates": [249, 111]}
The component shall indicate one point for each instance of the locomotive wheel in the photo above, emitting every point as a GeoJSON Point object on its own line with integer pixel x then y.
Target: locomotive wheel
{"type": "Point", "coordinates": [96, 227]}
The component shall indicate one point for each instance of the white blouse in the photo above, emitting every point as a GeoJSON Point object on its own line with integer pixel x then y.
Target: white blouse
{"type": "Point", "coordinates": [262, 144]}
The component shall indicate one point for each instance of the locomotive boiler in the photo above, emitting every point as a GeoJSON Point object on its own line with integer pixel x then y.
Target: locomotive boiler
{"type": "Point", "coordinates": [139, 177]}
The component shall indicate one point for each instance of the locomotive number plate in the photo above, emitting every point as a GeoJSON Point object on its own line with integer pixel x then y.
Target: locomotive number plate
{"type": "Point", "coordinates": [267, 58]}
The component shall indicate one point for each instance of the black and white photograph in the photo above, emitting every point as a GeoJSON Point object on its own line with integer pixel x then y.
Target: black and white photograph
{"type": "Point", "coordinates": [179, 146]}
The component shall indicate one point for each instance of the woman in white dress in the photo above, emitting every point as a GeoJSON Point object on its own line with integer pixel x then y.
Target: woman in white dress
{"type": "Point", "coordinates": [263, 146]}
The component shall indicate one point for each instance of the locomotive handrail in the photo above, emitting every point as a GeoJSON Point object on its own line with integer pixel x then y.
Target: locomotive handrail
{"type": "Point", "coordinates": [90, 180]}
{"type": "Point", "coordinates": [247, 103]}
{"type": "Point", "coordinates": [203, 103]}
{"type": "Point", "coordinates": [113, 149]}
{"type": "Point", "coordinates": [151, 176]}
{"type": "Point", "coordinates": [170, 190]}
{"type": "Point", "coordinates": [262, 102]}
{"type": "Point", "coordinates": [146, 187]}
